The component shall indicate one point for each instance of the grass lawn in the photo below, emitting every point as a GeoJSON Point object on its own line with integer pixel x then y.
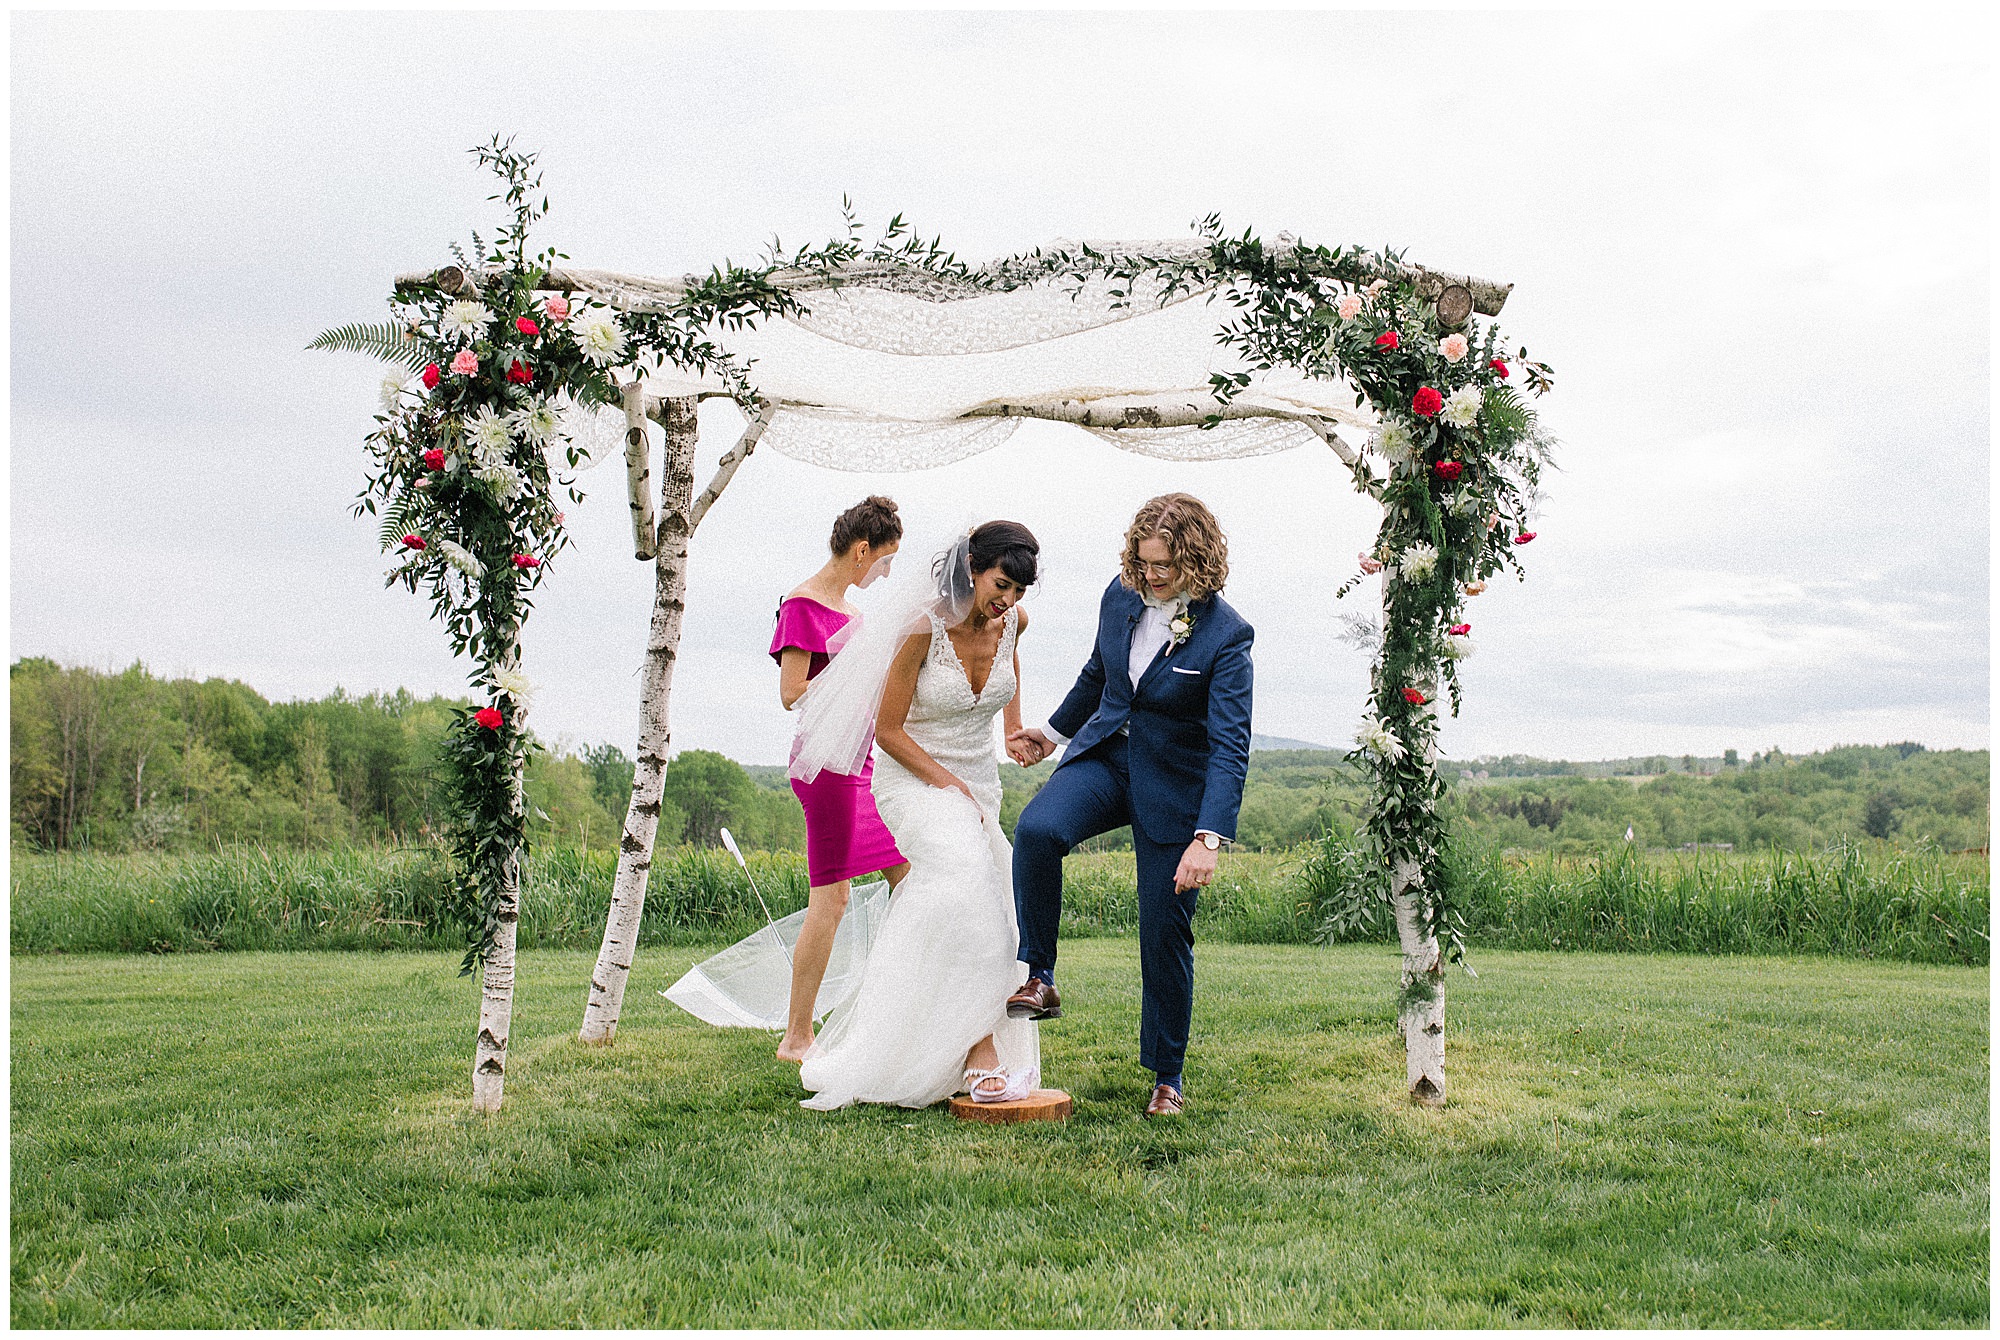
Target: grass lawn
{"type": "Point", "coordinates": [284, 1140]}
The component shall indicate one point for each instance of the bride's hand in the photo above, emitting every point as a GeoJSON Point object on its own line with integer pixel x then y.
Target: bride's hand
{"type": "Point", "coordinates": [962, 789]}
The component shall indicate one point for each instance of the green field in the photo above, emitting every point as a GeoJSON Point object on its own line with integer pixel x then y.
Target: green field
{"type": "Point", "coordinates": [1632, 1140]}
{"type": "Point", "coordinates": [1865, 901]}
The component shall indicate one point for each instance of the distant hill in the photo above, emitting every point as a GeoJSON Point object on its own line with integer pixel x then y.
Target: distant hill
{"type": "Point", "coordinates": [1267, 742]}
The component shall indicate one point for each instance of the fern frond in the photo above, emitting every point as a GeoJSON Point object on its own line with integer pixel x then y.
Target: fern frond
{"type": "Point", "coordinates": [384, 340]}
{"type": "Point", "coordinates": [398, 519]}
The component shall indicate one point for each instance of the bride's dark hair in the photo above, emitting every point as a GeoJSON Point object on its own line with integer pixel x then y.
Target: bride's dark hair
{"type": "Point", "coordinates": [1008, 546]}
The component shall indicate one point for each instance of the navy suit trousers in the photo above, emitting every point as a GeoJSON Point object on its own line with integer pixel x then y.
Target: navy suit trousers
{"type": "Point", "coordinates": [1085, 797]}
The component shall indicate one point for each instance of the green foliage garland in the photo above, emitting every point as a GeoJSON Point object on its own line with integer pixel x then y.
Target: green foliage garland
{"type": "Point", "coordinates": [462, 481]}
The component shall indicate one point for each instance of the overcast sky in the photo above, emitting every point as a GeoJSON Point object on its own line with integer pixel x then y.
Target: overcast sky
{"type": "Point", "coordinates": [1754, 250]}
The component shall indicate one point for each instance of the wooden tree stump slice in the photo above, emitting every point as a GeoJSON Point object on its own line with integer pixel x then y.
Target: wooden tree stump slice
{"type": "Point", "coordinates": [1041, 1105]}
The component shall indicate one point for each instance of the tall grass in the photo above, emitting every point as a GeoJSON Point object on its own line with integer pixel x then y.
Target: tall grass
{"type": "Point", "coordinates": [1918, 906]}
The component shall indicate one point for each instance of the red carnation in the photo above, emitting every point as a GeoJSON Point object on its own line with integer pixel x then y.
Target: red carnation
{"type": "Point", "coordinates": [1524, 537]}
{"type": "Point", "coordinates": [1414, 697]}
{"type": "Point", "coordinates": [1500, 367]}
{"type": "Point", "coordinates": [434, 459]}
{"type": "Point", "coordinates": [1427, 402]}
{"type": "Point", "coordinates": [1448, 470]}
{"type": "Point", "coordinates": [489, 717]}
{"type": "Point", "coordinates": [413, 542]}
{"type": "Point", "coordinates": [527, 561]}
{"type": "Point", "coordinates": [1388, 339]}
{"type": "Point", "coordinates": [431, 375]}
{"type": "Point", "coordinates": [1460, 629]}
{"type": "Point", "coordinates": [519, 372]}
{"type": "Point", "coordinates": [527, 327]}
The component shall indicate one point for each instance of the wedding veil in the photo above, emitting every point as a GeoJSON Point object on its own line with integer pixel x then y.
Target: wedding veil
{"type": "Point", "coordinates": [837, 712]}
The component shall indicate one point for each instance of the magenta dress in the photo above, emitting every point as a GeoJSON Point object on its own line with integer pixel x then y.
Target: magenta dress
{"type": "Point", "coordinates": [845, 837]}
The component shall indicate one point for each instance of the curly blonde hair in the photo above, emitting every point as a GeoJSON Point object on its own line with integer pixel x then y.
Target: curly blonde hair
{"type": "Point", "coordinates": [1193, 537]}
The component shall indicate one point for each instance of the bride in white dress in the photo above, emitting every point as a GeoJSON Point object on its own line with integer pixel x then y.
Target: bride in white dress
{"type": "Point", "coordinates": [929, 1018]}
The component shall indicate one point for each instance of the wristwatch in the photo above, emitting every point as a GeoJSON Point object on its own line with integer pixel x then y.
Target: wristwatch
{"type": "Point", "coordinates": [1210, 841]}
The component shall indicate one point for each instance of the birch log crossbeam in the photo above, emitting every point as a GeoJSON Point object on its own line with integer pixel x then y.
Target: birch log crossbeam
{"type": "Point", "coordinates": [646, 293]}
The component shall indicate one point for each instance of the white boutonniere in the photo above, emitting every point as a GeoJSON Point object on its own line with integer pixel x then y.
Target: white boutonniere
{"type": "Point", "coordinates": [1180, 626]}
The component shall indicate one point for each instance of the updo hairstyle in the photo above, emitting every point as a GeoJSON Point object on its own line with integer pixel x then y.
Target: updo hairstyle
{"type": "Point", "coordinates": [1008, 546]}
{"type": "Point", "coordinates": [872, 519]}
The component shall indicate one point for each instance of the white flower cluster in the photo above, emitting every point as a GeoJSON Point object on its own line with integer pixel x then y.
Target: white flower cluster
{"type": "Point", "coordinates": [597, 336]}
{"type": "Point", "coordinates": [1393, 443]}
{"type": "Point", "coordinates": [461, 558]}
{"type": "Point", "coordinates": [1458, 646]}
{"type": "Point", "coordinates": [489, 433]}
{"type": "Point", "coordinates": [392, 394]}
{"type": "Point", "coordinates": [1461, 407]}
{"type": "Point", "coordinates": [1378, 739]}
{"type": "Point", "coordinates": [538, 423]}
{"type": "Point", "coordinates": [512, 681]}
{"type": "Point", "coordinates": [467, 317]}
{"type": "Point", "coordinates": [1418, 562]}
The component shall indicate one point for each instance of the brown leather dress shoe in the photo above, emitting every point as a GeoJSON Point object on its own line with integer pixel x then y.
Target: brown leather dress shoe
{"type": "Point", "coordinates": [1036, 1000]}
{"type": "Point", "coordinates": [1167, 1102]}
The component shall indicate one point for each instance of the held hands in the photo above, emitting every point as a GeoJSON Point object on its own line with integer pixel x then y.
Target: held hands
{"type": "Point", "coordinates": [1197, 867]}
{"type": "Point", "coordinates": [1029, 747]}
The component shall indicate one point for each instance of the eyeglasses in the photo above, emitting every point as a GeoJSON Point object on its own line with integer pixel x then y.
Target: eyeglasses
{"type": "Point", "coordinates": [1160, 570]}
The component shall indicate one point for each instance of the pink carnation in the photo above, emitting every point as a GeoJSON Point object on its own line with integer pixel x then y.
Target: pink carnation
{"type": "Point", "coordinates": [1350, 306]}
{"type": "Point", "coordinates": [557, 307]}
{"type": "Point", "coordinates": [465, 363]}
{"type": "Point", "coordinates": [1371, 566]}
{"type": "Point", "coordinates": [1453, 347]}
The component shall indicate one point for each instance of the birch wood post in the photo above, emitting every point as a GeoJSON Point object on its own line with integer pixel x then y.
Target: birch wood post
{"type": "Point", "coordinates": [496, 976]}
{"type": "Point", "coordinates": [1421, 1015]}
{"type": "Point", "coordinates": [642, 817]}
{"type": "Point", "coordinates": [645, 536]}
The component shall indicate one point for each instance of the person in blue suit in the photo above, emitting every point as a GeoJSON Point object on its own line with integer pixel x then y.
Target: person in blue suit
{"type": "Point", "coordinates": [1158, 736]}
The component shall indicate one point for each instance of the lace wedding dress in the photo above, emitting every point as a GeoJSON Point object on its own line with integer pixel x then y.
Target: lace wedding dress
{"type": "Point", "coordinates": [942, 962]}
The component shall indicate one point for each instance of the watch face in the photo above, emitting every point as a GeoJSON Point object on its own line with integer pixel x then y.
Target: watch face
{"type": "Point", "coordinates": [1211, 841]}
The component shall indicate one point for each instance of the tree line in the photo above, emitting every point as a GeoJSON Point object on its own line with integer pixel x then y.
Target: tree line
{"type": "Point", "coordinates": [120, 761]}
{"type": "Point", "coordinates": [117, 761]}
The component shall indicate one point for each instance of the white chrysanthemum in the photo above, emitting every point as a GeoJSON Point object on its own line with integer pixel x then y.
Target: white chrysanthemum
{"type": "Point", "coordinates": [1393, 443]}
{"type": "Point", "coordinates": [467, 317]}
{"type": "Point", "coordinates": [514, 682]}
{"type": "Point", "coordinates": [1378, 739]}
{"type": "Point", "coordinates": [1461, 407]}
{"type": "Point", "coordinates": [598, 336]}
{"type": "Point", "coordinates": [503, 481]}
{"type": "Point", "coordinates": [1418, 562]}
{"type": "Point", "coordinates": [460, 557]}
{"type": "Point", "coordinates": [490, 432]}
{"type": "Point", "coordinates": [1458, 646]}
{"type": "Point", "coordinates": [392, 394]}
{"type": "Point", "coordinates": [538, 423]}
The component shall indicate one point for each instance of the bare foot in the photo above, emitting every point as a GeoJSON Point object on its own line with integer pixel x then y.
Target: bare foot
{"type": "Point", "coordinates": [794, 1051]}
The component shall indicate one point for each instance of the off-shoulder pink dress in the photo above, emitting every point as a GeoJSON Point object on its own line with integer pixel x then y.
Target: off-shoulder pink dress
{"type": "Point", "coordinates": [845, 836]}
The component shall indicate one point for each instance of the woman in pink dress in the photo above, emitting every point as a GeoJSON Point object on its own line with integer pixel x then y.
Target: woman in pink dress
{"type": "Point", "coordinates": [845, 837]}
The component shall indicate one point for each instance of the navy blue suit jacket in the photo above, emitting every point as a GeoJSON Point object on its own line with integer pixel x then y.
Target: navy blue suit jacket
{"type": "Point", "coordinates": [1189, 717]}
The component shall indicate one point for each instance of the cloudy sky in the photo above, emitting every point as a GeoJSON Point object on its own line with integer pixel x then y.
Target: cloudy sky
{"type": "Point", "coordinates": [1755, 251]}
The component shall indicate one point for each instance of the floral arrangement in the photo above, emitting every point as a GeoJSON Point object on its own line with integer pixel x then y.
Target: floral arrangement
{"type": "Point", "coordinates": [469, 446]}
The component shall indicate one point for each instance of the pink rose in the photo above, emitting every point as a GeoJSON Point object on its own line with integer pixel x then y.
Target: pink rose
{"type": "Point", "coordinates": [1350, 306]}
{"type": "Point", "coordinates": [1369, 565]}
{"type": "Point", "coordinates": [1453, 347]}
{"type": "Point", "coordinates": [557, 307]}
{"type": "Point", "coordinates": [465, 363]}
